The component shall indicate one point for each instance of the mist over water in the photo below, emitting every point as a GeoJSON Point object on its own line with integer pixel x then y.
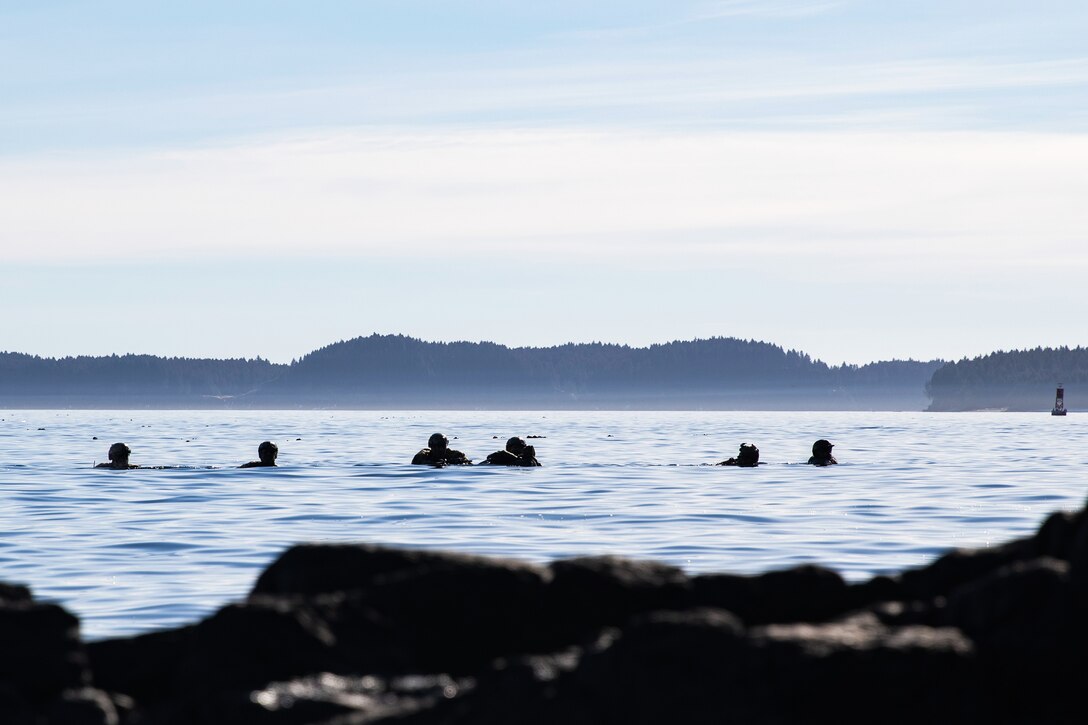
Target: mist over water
{"type": "Point", "coordinates": [132, 551]}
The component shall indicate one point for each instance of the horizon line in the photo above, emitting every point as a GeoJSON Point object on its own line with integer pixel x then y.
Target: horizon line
{"type": "Point", "coordinates": [297, 359]}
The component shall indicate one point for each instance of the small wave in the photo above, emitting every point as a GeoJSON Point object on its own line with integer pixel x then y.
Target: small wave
{"type": "Point", "coordinates": [183, 498]}
{"type": "Point", "coordinates": [158, 546]}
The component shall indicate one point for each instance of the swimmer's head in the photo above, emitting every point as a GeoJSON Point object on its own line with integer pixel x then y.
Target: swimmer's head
{"type": "Point", "coordinates": [119, 452]}
{"type": "Point", "coordinates": [748, 456]}
{"type": "Point", "coordinates": [268, 451]}
{"type": "Point", "coordinates": [438, 442]}
{"type": "Point", "coordinates": [515, 445]}
{"type": "Point", "coordinates": [822, 448]}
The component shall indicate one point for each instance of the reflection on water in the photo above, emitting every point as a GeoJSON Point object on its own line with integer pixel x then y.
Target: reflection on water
{"type": "Point", "coordinates": [131, 551]}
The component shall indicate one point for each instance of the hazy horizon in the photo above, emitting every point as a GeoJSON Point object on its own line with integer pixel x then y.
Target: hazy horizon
{"type": "Point", "coordinates": [302, 354]}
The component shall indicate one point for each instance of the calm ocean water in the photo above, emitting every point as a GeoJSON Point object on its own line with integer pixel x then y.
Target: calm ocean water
{"type": "Point", "coordinates": [132, 551]}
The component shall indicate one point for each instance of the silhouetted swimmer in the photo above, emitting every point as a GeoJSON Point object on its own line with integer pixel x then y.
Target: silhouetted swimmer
{"type": "Point", "coordinates": [517, 453]}
{"type": "Point", "coordinates": [748, 457]}
{"type": "Point", "coordinates": [438, 453]}
{"type": "Point", "coordinates": [118, 454]}
{"type": "Point", "coordinates": [821, 453]}
{"type": "Point", "coordinates": [267, 452]}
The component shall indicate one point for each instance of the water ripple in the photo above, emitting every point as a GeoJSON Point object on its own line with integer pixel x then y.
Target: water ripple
{"type": "Point", "coordinates": [138, 550]}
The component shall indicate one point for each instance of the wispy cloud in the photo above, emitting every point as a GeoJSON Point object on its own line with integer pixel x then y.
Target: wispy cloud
{"type": "Point", "coordinates": [785, 10]}
{"type": "Point", "coordinates": [785, 94]}
{"type": "Point", "coordinates": [767, 8]}
{"type": "Point", "coordinates": [572, 196]}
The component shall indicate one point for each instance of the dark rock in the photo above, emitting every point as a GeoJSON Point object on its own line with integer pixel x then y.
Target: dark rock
{"type": "Point", "coordinates": [14, 593]}
{"type": "Point", "coordinates": [655, 670]}
{"type": "Point", "coordinates": [590, 592]}
{"type": "Point", "coordinates": [878, 589]}
{"type": "Point", "coordinates": [662, 659]}
{"type": "Point", "coordinates": [960, 567]}
{"type": "Point", "coordinates": [445, 618]}
{"type": "Point", "coordinates": [1030, 634]}
{"type": "Point", "coordinates": [704, 667]}
{"type": "Point", "coordinates": [1078, 559]}
{"type": "Point", "coordinates": [1025, 606]}
{"type": "Point", "coordinates": [245, 646]}
{"type": "Point", "coordinates": [858, 670]}
{"type": "Point", "coordinates": [518, 689]}
{"type": "Point", "coordinates": [414, 611]}
{"type": "Point", "coordinates": [315, 699]}
{"type": "Point", "coordinates": [347, 635]}
{"type": "Point", "coordinates": [365, 640]}
{"type": "Point", "coordinates": [14, 708]}
{"type": "Point", "coordinates": [1057, 535]}
{"type": "Point", "coordinates": [40, 651]}
{"type": "Point", "coordinates": [901, 614]}
{"type": "Point", "coordinates": [207, 674]}
{"type": "Point", "coordinates": [310, 569]}
{"type": "Point", "coordinates": [804, 593]}
{"type": "Point", "coordinates": [326, 698]}
{"type": "Point", "coordinates": [143, 667]}
{"type": "Point", "coordinates": [733, 592]}
{"type": "Point", "coordinates": [85, 706]}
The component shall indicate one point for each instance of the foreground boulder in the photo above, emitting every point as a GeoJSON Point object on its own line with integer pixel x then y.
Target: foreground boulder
{"type": "Point", "coordinates": [43, 666]}
{"type": "Point", "coordinates": [342, 634]}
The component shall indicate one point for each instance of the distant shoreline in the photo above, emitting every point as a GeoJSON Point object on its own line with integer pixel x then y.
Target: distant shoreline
{"type": "Point", "coordinates": [382, 372]}
{"type": "Point", "coordinates": [447, 409]}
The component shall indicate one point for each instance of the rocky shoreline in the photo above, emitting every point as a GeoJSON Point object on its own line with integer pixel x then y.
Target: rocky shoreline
{"type": "Point", "coordinates": [354, 634]}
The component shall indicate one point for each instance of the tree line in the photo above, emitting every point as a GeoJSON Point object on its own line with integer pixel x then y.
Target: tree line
{"type": "Point", "coordinates": [26, 375]}
{"type": "Point", "coordinates": [1011, 380]}
{"type": "Point", "coordinates": [397, 359]}
{"type": "Point", "coordinates": [390, 368]}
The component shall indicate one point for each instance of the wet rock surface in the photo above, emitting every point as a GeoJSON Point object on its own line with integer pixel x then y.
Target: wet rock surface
{"type": "Point", "coordinates": [353, 635]}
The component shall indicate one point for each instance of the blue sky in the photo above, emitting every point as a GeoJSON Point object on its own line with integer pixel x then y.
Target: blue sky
{"type": "Point", "coordinates": [858, 179]}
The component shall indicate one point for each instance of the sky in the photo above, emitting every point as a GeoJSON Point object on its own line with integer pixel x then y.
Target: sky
{"type": "Point", "coordinates": [857, 179]}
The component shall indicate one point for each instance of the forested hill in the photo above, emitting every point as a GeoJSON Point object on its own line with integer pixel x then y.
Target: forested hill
{"type": "Point", "coordinates": [129, 380]}
{"type": "Point", "coordinates": [391, 371]}
{"type": "Point", "coordinates": [719, 372]}
{"type": "Point", "coordinates": [1021, 380]}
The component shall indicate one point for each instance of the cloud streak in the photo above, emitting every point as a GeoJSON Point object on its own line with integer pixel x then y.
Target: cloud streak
{"type": "Point", "coordinates": [794, 95]}
{"type": "Point", "coordinates": [777, 9]}
{"type": "Point", "coordinates": [983, 198]}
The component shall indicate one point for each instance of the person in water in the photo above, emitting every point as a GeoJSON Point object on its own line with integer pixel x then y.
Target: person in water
{"type": "Point", "coordinates": [748, 457]}
{"type": "Point", "coordinates": [517, 453]}
{"type": "Point", "coordinates": [821, 453]}
{"type": "Point", "coordinates": [438, 453]}
{"type": "Point", "coordinates": [267, 452]}
{"type": "Point", "coordinates": [118, 455]}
